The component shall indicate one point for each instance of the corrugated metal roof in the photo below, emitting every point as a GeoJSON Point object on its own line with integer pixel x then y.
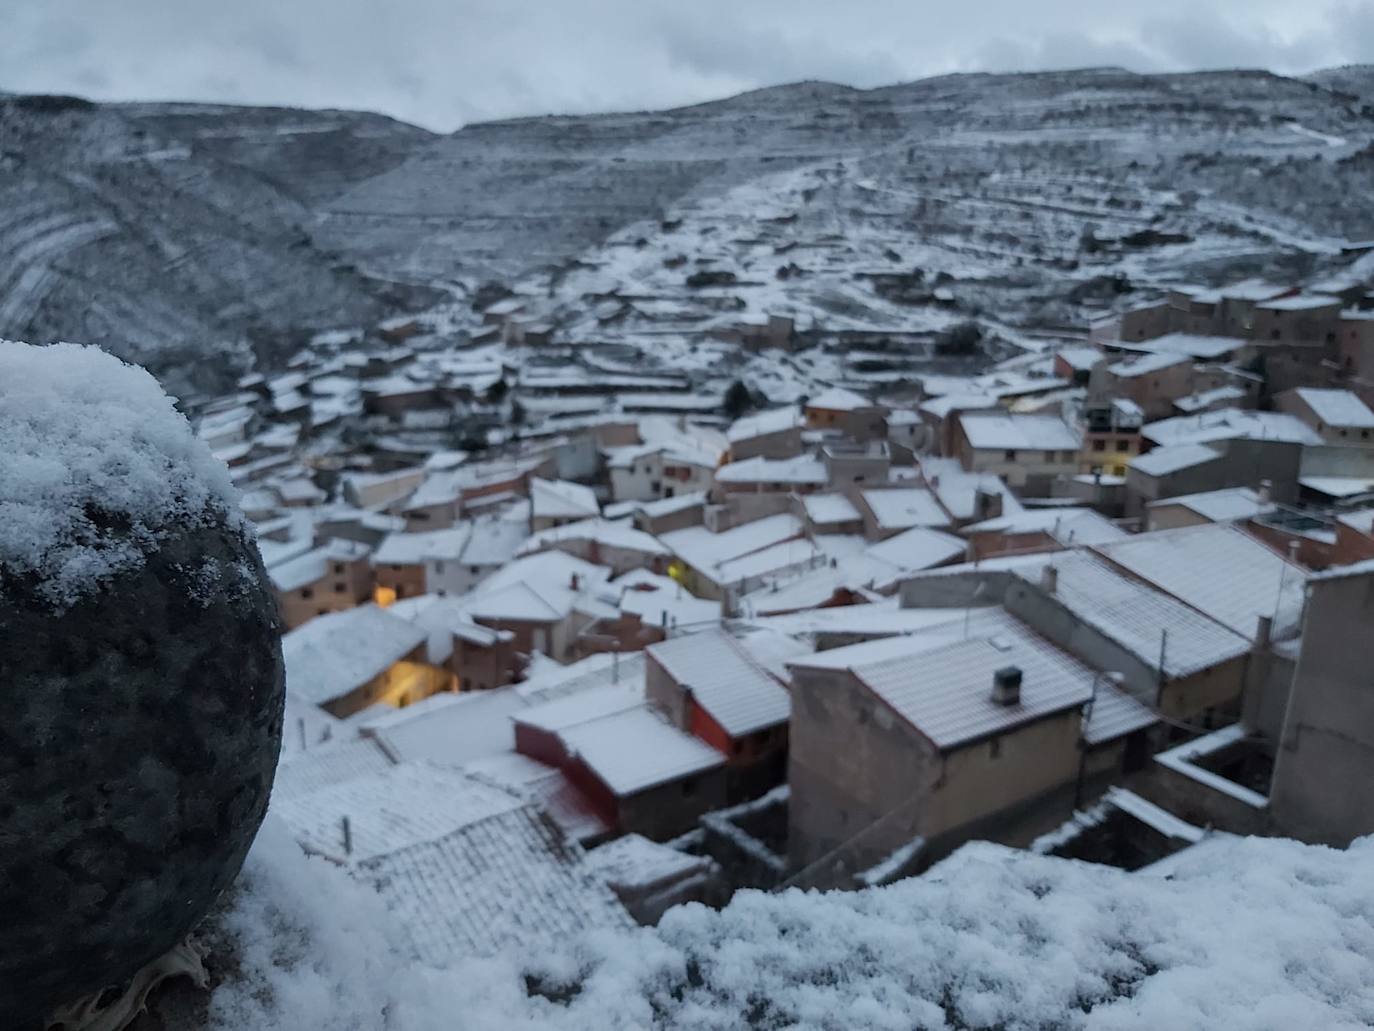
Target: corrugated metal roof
{"type": "Point", "coordinates": [941, 682]}
{"type": "Point", "coordinates": [1136, 616]}
{"type": "Point", "coordinates": [1115, 714]}
{"type": "Point", "coordinates": [1219, 571]}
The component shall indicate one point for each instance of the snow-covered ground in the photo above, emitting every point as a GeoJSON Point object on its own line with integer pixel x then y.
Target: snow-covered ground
{"type": "Point", "coordinates": [1242, 933]}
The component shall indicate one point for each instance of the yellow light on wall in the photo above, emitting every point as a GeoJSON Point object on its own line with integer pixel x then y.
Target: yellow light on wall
{"type": "Point", "coordinates": [384, 596]}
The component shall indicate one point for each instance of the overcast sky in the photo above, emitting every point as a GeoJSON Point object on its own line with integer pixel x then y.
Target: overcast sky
{"type": "Point", "coordinates": [442, 63]}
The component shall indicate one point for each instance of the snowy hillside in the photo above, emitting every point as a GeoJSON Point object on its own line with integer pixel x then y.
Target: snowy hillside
{"type": "Point", "coordinates": [169, 233]}
{"type": "Point", "coordinates": [1030, 201]}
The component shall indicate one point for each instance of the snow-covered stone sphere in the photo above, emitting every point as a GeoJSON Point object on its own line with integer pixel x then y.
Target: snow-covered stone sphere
{"type": "Point", "coordinates": [141, 680]}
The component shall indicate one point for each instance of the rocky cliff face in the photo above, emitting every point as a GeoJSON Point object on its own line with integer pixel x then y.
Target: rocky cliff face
{"type": "Point", "coordinates": [170, 231]}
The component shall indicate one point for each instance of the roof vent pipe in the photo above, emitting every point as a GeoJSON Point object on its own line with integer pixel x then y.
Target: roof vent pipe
{"type": "Point", "coordinates": [1049, 579]}
{"type": "Point", "coordinates": [1266, 491]}
{"type": "Point", "coordinates": [1006, 686]}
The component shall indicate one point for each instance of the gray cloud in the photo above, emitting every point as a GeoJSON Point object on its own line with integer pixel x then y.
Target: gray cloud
{"type": "Point", "coordinates": [445, 62]}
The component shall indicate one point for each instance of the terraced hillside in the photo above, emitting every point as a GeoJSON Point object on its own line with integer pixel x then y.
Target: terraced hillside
{"type": "Point", "coordinates": [176, 232]}
{"type": "Point", "coordinates": [970, 151]}
{"type": "Point", "coordinates": [172, 234]}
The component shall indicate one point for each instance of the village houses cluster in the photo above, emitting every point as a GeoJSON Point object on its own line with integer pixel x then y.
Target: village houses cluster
{"type": "Point", "coordinates": [567, 645]}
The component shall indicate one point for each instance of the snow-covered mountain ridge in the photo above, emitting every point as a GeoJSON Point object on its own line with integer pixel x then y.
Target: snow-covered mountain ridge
{"type": "Point", "coordinates": [171, 233]}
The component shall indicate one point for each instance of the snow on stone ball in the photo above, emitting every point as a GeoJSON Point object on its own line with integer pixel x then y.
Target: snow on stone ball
{"type": "Point", "coordinates": [142, 691]}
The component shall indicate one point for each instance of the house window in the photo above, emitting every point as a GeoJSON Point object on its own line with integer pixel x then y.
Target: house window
{"type": "Point", "coordinates": [338, 569]}
{"type": "Point", "coordinates": [1009, 454]}
{"type": "Point", "coordinates": [995, 748]}
{"type": "Point", "coordinates": [438, 567]}
{"type": "Point", "coordinates": [1099, 445]}
{"type": "Point", "coordinates": [307, 592]}
{"type": "Point", "coordinates": [1122, 444]}
{"type": "Point", "coordinates": [340, 587]}
{"type": "Point", "coordinates": [689, 787]}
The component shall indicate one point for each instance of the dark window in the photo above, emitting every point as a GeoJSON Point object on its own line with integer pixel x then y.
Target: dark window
{"type": "Point", "coordinates": [338, 569]}
{"type": "Point", "coordinates": [689, 787]}
{"type": "Point", "coordinates": [1122, 444]}
{"type": "Point", "coordinates": [1009, 455]}
{"type": "Point", "coordinates": [340, 587]}
{"type": "Point", "coordinates": [307, 592]}
{"type": "Point", "coordinates": [1099, 445]}
{"type": "Point", "coordinates": [438, 567]}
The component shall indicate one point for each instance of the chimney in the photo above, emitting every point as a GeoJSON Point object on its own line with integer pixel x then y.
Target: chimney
{"type": "Point", "coordinates": [1049, 579]}
{"type": "Point", "coordinates": [576, 582]}
{"type": "Point", "coordinates": [986, 505]}
{"type": "Point", "coordinates": [1266, 491]}
{"type": "Point", "coordinates": [1006, 686]}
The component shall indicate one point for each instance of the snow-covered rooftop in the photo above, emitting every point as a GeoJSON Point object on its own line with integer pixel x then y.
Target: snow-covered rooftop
{"type": "Point", "coordinates": [591, 703]}
{"type": "Point", "coordinates": [986, 430]}
{"type": "Point", "coordinates": [618, 533]}
{"type": "Point", "coordinates": [838, 399]}
{"type": "Point", "coordinates": [1172, 458]}
{"type": "Point", "coordinates": [314, 565]}
{"type": "Point", "coordinates": [414, 548]}
{"type": "Point", "coordinates": [1220, 571]}
{"type": "Point", "coordinates": [637, 749]}
{"type": "Point", "coordinates": [704, 550]}
{"type": "Point", "coordinates": [725, 680]}
{"type": "Point", "coordinates": [1230, 424]}
{"type": "Point", "coordinates": [1204, 399]}
{"type": "Point", "coordinates": [941, 682]}
{"type": "Point", "coordinates": [1338, 408]}
{"type": "Point", "coordinates": [1155, 361]}
{"type": "Point", "coordinates": [449, 729]}
{"type": "Point", "coordinates": [560, 499]}
{"type": "Point", "coordinates": [1065, 525]}
{"type": "Point", "coordinates": [777, 420]}
{"type": "Point", "coordinates": [333, 654]}
{"type": "Point", "coordinates": [803, 470]}
{"type": "Point", "coordinates": [1301, 302]}
{"type": "Point", "coordinates": [1192, 345]}
{"type": "Point", "coordinates": [825, 509]}
{"type": "Point", "coordinates": [901, 508]}
{"type": "Point", "coordinates": [1220, 506]}
{"type": "Point", "coordinates": [1147, 622]}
